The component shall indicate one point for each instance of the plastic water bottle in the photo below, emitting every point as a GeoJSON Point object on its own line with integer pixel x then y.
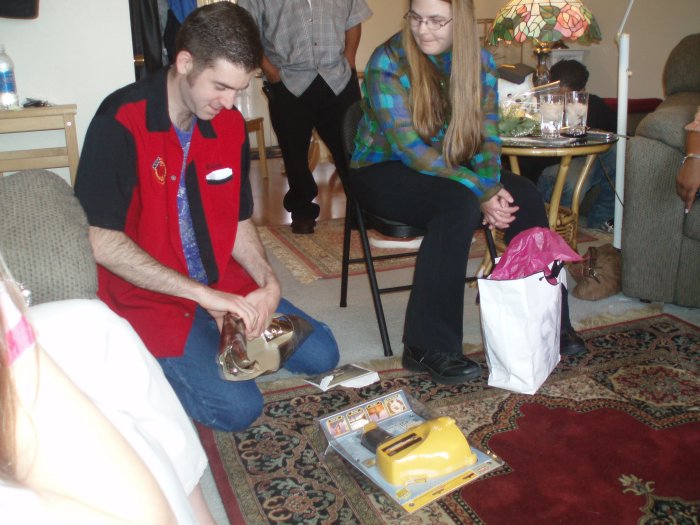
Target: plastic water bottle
{"type": "Point", "coordinates": [8, 87]}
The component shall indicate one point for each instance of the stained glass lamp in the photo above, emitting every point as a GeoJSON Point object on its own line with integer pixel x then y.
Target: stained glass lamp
{"type": "Point", "coordinates": [544, 22]}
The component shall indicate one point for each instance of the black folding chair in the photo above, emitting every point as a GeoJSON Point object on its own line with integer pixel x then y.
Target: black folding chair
{"type": "Point", "coordinates": [362, 220]}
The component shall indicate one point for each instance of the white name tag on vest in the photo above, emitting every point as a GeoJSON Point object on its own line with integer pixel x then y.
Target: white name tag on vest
{"type": "Point", "coordinates": [219, 175]}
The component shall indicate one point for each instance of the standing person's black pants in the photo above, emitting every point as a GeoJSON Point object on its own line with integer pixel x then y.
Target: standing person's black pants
{"type": "Point", "coordinates": [449, 213]}
{"type": "Point", "coordinates": [293, 119]}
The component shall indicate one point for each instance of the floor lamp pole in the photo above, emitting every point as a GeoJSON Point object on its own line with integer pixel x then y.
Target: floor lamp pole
{"type": "Point", "coordinates": [622, 103]}
{"type": "Point", "coordinates": [623, 74]}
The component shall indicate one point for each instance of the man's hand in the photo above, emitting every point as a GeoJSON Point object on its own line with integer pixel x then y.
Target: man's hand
{"type": "Point", "coordinates": [250, 254]}
{"type": "Point", "coordinates": [265, 301]}
{"type": "Point", "coordinates": [688, 182]}
{"type": "Point", "coordinates": [352, 42]}
{"type": "Point", "coordinates": [498, 210]}
{"type": "Point", "coordinates": [219, 303]}
{"type": "Point", "coordinates": [254, 309]}
{"type": "Point", "coordinates": [271, 72]}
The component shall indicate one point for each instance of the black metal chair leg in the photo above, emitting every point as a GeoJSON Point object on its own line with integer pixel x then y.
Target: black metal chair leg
{"type": "Point", "coordinates": [491, 245]}
{"type": "Point", "coordinates": [374, 287]}
{"type": "Point", "coordinates": [387, 227]}
{"type": "Point", "coordinates": [345, 268]}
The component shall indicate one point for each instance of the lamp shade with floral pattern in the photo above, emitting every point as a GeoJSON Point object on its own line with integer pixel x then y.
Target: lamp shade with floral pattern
{"type": "Point", "coordinates": [544, 21]}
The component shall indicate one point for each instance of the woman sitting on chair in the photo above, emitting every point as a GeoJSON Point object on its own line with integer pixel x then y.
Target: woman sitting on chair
{"type": "Point", "coordinates": [427, 153]}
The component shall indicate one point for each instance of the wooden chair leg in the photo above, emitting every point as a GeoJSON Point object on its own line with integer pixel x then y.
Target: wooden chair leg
{"type": "Point", "coordinates": [256, 125]}
{"type": "Point", "coordinates": [262, 150]}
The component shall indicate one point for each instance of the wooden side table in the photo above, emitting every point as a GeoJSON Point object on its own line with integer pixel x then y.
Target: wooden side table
{"type": "Point", "coordinates": [41, 119]}
{"type": "Point", "coordinates": [563, 220]}
{"type": "Point", "coordinates": [255, 125]}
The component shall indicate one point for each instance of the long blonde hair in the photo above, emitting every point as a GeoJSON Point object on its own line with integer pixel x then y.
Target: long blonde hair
{"type": "Point", "coordinates": [8, 451]}
{"type": "Point", "coordinates": [7, 413]}
{"type": "Point", "coordinates": [430, 106]}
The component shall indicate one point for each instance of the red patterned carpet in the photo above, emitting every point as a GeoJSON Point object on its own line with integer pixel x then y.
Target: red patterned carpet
{"type": "Point", "coordinates": [318, 256]}
{"type": "Point", "coordinates": [613, 436]}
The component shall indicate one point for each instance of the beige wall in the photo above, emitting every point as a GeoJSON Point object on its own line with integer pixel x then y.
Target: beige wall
{"type": "Point", "coordinates": [385, 21]}
{"type": "Point", "coordinates": [74, 53]}
{"type": "Point", "coordinates": [654, 27]}
{"type": "Point", "coordinates": [79, 51]}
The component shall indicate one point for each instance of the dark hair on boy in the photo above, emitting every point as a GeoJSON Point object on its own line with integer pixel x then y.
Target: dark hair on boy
{"type": "Point", "coordinates": [571, 74]}
{"type": "Point", "coordinates": [221, 30]}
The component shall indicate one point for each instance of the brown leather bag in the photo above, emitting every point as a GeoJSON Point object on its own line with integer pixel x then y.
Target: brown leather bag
{"type": "Point", "coordinates": [599, 275]}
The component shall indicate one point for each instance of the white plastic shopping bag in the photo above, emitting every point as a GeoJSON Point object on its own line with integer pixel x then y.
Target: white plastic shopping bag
{"type": "Point", "coordinates": [520, 323]}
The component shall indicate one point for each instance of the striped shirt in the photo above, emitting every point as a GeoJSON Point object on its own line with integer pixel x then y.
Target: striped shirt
{"type": "Point", "coordinates": [386, 130]}
{"type": "Point", "coordinates": [306, 38]}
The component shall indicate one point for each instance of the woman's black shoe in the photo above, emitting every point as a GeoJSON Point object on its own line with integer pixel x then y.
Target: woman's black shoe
{"type": "Point", "coordinates": [570, 343]}
{"type": "Point", "coordinates": [442, 368]}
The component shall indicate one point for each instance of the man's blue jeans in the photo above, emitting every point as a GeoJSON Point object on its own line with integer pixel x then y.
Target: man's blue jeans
{"type": "Point", "coordinates": [603, 207]}
{"type": "Point", "coordinates": [233, 405]}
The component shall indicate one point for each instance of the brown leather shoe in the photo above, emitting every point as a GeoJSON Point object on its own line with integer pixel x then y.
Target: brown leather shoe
{"type": "Point", "coordinates": [303, 226]}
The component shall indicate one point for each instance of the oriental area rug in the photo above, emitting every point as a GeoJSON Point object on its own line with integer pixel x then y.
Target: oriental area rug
{"type": "Point", "coordinates": [613, 436]}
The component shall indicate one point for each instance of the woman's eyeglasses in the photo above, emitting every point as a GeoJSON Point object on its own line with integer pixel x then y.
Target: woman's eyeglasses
{"type": "Point", "coordinates": [433, 24]}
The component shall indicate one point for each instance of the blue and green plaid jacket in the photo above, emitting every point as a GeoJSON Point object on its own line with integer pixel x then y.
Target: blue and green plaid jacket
{"type": "Point", "coordinates": [386, 130]}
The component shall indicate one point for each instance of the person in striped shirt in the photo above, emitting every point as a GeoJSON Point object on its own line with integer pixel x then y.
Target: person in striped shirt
{"type": "Point", "coordinates": [427, 153]}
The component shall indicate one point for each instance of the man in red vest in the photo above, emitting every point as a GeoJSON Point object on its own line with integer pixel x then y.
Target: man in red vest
{"type": "Point", "coordinates": [163, 179]}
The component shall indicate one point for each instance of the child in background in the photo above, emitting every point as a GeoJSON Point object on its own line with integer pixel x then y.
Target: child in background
{"type": "Point", "coordinates": [572, 76]}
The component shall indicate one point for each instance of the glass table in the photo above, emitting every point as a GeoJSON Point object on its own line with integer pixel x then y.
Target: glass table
{"type": "Point", "coordinates": [561, 219]}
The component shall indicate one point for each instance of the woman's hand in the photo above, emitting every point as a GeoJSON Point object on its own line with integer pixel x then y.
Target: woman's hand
{"type": "Point", "coordinates": [499, 211]}
{"type": "Point", "coordinates": [688, 182]}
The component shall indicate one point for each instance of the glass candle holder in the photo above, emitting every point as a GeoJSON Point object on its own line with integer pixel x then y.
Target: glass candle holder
{"type": "Point", "coordinates": [576, 113]}
{"type": "Point", "coordinates": [551, 114]}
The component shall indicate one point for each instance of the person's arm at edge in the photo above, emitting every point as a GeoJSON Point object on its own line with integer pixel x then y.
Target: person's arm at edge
{"type": "Point", "coordinates": [352, 42]}
{"type": "Point", "coordinates": [85, 477]}
{"type": "Point", "coordinates": [688, 179]}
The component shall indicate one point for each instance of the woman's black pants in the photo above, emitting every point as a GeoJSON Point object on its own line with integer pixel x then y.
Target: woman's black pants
{"type": "Point", "coordinates": [449, 213]}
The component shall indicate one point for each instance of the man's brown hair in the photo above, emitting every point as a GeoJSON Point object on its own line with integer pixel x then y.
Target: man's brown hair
{"type": "Point", "coordinates": [221, 30]}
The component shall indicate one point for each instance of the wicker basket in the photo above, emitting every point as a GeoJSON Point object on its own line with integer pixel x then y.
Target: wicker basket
{"type": "Point", "coordinates": [567, 225]}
